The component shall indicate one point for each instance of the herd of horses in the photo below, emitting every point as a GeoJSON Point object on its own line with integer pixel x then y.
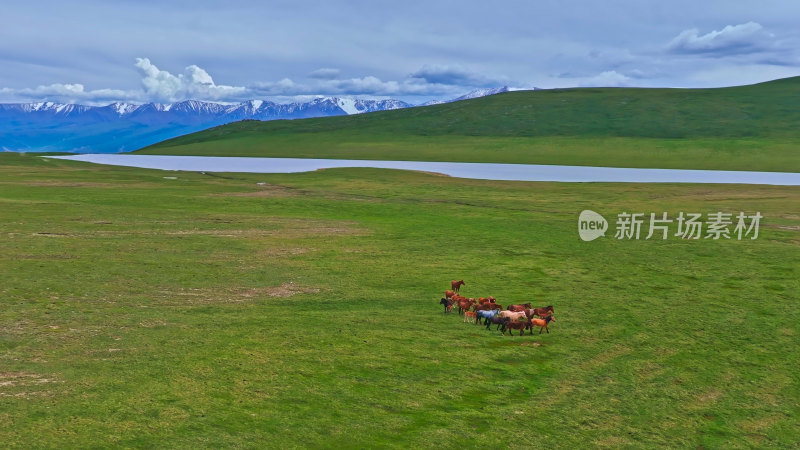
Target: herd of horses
{"type": "Point", "coordinates": [520, 317]}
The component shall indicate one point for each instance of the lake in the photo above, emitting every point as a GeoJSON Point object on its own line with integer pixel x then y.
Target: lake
{"type": "Point", "coordinates": [483, 171]}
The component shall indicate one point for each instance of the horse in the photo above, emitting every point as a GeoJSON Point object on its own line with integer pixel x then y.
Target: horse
{"type": "Point", "coordinates": [495, 320]}
{"type": "Point", "coordinates": [518, 308]}
{"type": "Point", "coordinates": [541, 312]}
{"type": "Point", "coordinates": [542, 323]}
{"type": "Point", "coordinates": [520, 325]}
{"type": "Point", "coordinates": [456, 285]}
{"type": "Point", "coordinates": [465, 305]}
{"type": "Point", "coordinates": [488, 307]}
{"type": "Point", "coordinates": [471, 315]}
{"type": "Point", "coordinates": [448, 305]}
{"type": "Point", "coordinates": [485, 315]}
{"type": "Point", "coordinates": [513, 315]}
{"type": "Point", "coordinates": [449, 294]}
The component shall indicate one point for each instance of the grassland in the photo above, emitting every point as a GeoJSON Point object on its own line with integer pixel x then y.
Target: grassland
{"type": "Point", "coordinates": [737, 128]}
{"type": "Point", "coordinates": [213, 311]}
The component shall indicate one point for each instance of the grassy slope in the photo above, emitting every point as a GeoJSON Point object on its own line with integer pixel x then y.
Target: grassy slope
{"type": "Point", "coordinates": [136, 311]}
{"type": "Point", "coordinates": [740, 128]}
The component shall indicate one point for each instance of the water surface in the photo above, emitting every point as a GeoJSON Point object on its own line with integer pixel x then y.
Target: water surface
{"type": "Point", "coordinates": [482, 171]}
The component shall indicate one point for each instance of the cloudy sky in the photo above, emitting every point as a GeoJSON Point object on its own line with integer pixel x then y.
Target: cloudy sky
{"type": "Point", "coordinates": [99, 51]}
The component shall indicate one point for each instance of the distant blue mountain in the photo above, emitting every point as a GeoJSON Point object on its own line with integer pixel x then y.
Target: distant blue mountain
{"type": "Point", "coordinates": [119, 127]}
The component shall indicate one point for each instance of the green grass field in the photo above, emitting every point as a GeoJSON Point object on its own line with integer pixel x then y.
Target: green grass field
{"type": "Point", "coordinates": [212, 311]}
{"type": "Point", "coordinates": [737, 128]}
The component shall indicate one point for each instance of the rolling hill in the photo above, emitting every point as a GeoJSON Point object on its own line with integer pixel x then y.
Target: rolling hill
{"type": "Point", "coordinates": [752, 127]}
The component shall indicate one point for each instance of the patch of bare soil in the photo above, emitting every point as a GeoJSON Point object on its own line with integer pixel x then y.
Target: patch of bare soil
{"type": "Point", "coordinates": [12, 382]}
{"type": "Point", "coordinates": [284, 228]}
{"type": "Point", "coordinates": [289, 232]}
{"type": "Point", "coordinates": [262, 190]}
{"type": "Point", "coordinates": [203, 296]}
{"type": "Point", "coordinates": [283, 252]}
{"type": "Point", "coordinates": [283, 291]}
{"type": "Point", "coordinates": [762, 424]}
{"type": "Point", "coordinates": [56, 183]}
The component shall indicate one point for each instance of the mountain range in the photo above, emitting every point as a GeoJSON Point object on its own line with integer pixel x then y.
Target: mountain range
{"type": "Point", "coordinates": [118, 127]}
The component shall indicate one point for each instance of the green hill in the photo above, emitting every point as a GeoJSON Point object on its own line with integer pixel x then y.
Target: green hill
{"type": "Point", "coordinates": [751, 127]}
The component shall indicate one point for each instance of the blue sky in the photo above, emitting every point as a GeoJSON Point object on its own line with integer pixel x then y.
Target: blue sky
{"type": "Point", "coordinates": [96, 52]}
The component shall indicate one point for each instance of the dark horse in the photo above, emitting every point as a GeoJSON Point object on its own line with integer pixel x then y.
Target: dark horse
{"type": "Point", "coordinates": [448, 304]}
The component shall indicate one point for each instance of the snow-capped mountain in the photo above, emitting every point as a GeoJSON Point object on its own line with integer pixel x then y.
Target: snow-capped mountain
{"type": "Point", "coordinates": [482, 93]}
{"type": "Point", "coordinates": [473, 94]}
{"type": "Point", "coordinates": [119, 126]}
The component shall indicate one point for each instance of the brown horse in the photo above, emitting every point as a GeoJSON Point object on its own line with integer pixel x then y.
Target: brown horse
{"type": "Point", "coordinates": [456, 285]}
{"type": "Point", "coordinates": [449, 294]}
{"type": "Point", "coordinates": [465, 305]}
{"type": "Point", "coordinates": [520, 325]}
{"type": "Point", "coordinates": [487, 306]}
{"type": "Point", "coordinates": [483, 306]}
{"type": "Point", "coordinates": [541, 312]}
{"type": "Point", "coordinates": [470, 316]}
{"type": "Point", "coordinates": [542, 323]}
{"type": "Point", "coordinates": [519, 308]}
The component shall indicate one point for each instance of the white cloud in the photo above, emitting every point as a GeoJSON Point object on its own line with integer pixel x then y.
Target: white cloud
{"type": "Point", "coordinates": [67, 93]}
{"type": "Point", "coordinates": [429, 80]}
{"type": "Point", "coordinates": [610, 78]}
{"type": "Point", "coordinates": [733, 39]}
{"type": "Point", "coordinates": [194, 83]}
{"type": "Point", "coordinates": [325, 74]}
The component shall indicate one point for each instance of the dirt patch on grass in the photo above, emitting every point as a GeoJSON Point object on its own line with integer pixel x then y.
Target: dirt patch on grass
{"type": "Point", "coordinates": [248, 233]}
{"type": "Point", "coordinates": [288, 228]}
{"type": "Point", "coordinates": [612, 442]}
{"type": "Point", "coordinates": [704, 399]}
{"type": "Point", "coordinates": [54, 183]}
{"type": "Point", "coordinates": [204, 296]}
{"type": "Point", "coordinates": [283, 252]}
{"type": "Point", "coordinates": [11, 382]}
{"type": "Point", "coordinates": [155, 323]}
{"type": "Point", "coordinates": [761, 424]}
{"type": "Point", "coordinates": [283, 291]}
{"type": "Point", "coordinates": [710, 396]}
{"type": "Point", "coordinates": [43, 257]}
{"type": "Point", "coordinates": [648, 371]}
{"type": "Point", "coordinates": [283, 227]}
{"type": "Point", "coordinates": [262, 190]}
